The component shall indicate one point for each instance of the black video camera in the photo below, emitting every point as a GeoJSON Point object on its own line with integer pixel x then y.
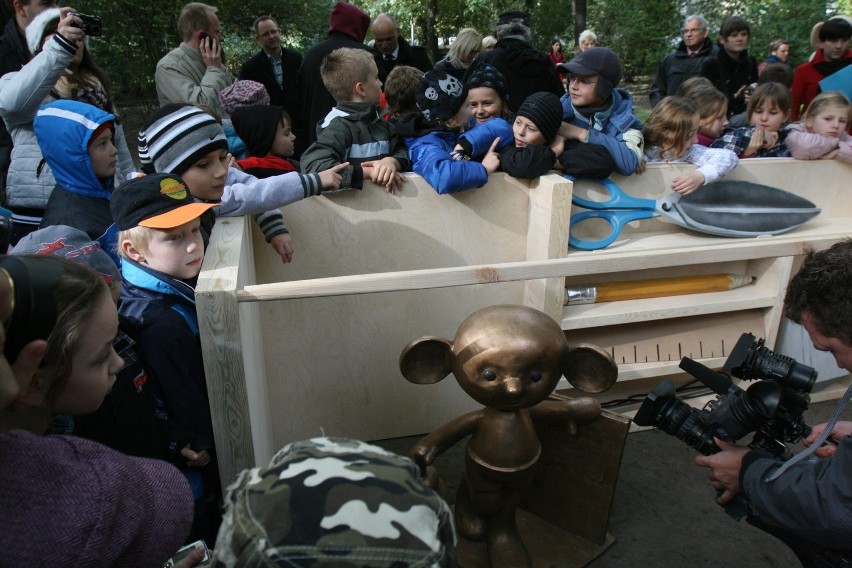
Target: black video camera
{"type": "Point", "coordinates": [91, 24]}
{"type": "Point", "coordinates": [772, 408]}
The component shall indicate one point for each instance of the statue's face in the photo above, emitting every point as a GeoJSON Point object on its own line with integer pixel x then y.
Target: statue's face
{"type": "Point", "coordinates": [507, 364]}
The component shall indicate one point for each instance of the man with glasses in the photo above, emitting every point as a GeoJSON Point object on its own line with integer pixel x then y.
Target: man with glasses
{"type": "Point", "coordinates": [277, 69]}
{"type": "Point", "coordinates": [394, 49]}
{"type": "Point", "coordinates": [685, 61]}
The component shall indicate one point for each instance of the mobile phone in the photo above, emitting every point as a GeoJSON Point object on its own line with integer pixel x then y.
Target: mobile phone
{"type": "Point", "coordinates": [185, 551]}
{"type": "Point", "coordinates": [203, 36]}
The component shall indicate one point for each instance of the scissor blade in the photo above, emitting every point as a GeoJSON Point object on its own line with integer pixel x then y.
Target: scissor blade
{"type": "Point", "coordinates": [735, 208]}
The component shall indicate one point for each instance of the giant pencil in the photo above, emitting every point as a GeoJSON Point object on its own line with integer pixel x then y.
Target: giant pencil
{"type": "Point", "coordinates": [654, 288]}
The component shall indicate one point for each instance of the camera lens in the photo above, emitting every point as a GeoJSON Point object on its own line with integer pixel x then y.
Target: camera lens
{"type": "Point", "coordinates": [763, 363]}
{"type": "Point", "coordinates": [665, 411]}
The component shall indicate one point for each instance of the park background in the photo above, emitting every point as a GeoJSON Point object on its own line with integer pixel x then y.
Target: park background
{"type": "Point", "coordinates": [138, 33]}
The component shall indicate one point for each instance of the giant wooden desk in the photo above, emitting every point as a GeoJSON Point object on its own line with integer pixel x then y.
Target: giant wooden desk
{"type": "Point", "coordinates": [297, 350]}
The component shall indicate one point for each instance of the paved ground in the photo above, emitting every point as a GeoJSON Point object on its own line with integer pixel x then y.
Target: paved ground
{"type": "Point", "coordinates": [664, 513]}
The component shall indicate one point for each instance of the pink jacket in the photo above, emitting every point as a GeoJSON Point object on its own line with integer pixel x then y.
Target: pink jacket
{"type": "Point", "coordinates": [805, 145]}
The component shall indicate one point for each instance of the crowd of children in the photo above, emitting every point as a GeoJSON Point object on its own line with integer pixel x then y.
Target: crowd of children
{"type": "Point", "coordinates": [453, 130]}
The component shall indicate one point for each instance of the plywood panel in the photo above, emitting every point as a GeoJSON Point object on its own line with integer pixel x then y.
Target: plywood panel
{"type": "Point", "coordinates": [334, 364]}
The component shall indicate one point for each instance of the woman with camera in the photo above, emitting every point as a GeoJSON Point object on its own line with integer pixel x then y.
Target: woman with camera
{"type": "Point", "coordinates": [62, 68]}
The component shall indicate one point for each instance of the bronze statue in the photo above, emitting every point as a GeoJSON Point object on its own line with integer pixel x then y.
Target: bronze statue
{"type": "Point", "coordinates": [508, 358]}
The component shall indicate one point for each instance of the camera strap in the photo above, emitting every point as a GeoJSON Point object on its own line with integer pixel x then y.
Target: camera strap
{"type": "Point", "coordinates": [829, 426]}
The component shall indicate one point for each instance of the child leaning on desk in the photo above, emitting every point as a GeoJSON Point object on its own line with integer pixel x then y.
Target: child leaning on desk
{"type": "Point", "coordinates": [671, 136]}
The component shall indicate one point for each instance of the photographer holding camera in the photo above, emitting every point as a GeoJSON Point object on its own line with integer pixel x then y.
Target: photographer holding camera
{"type": "Point", "coordinates": [62, 67]}
{"type": "Point", "coordinates": [805, 502]}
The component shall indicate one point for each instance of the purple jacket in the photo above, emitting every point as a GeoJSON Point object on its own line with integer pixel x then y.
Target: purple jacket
{"type": "Point", "coordinates": [67, 501]}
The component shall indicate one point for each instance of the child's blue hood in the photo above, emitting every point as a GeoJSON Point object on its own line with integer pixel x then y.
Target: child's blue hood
{"type": "Point", "coordinates": [63, 129]}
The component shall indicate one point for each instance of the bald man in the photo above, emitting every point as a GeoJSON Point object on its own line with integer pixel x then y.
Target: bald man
{"type": "Point", "coordinates": [393, 47]}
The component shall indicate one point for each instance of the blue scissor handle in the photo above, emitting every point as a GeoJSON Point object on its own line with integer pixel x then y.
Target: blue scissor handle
{"type": "Point", "coordinates": [617, 198]}
{"type": "Point", "coordinates": [617, 218]}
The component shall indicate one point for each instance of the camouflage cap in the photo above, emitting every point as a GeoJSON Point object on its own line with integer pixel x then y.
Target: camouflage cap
{"type": "Point", "coordinates": [334, 502]}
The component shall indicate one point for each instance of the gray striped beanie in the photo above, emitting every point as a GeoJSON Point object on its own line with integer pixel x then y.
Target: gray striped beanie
{"type": "Point", "coordinates": [176, 137]}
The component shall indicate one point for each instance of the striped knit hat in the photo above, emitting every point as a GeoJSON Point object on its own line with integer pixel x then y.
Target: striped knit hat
{"type": "Point", "coordinates": [176, 137]}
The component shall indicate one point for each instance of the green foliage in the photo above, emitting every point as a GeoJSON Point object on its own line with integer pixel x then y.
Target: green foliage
{"type": "Point", "coordinates": [138, 33]}
{"type": "Point", "coordinates": [640, 33]}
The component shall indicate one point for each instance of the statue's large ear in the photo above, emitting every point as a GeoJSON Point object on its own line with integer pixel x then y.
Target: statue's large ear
{"type": "Point", "coordinates": [426, 360]}
{"type": "Point", "coordinates": [590, 368]}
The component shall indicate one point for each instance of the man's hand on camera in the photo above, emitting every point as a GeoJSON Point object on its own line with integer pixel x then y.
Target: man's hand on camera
{"type": "Point", "coordinates": [724, 469]}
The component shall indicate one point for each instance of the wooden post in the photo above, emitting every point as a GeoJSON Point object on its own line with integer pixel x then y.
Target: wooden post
{"type": "Point", "coordinates": [547, 237]}
{"type": "Point", "coordinates": [223, 346]}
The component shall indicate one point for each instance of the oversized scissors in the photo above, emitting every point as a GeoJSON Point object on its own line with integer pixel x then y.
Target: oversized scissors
{"type": "Point", "coordinates": [730, 208]}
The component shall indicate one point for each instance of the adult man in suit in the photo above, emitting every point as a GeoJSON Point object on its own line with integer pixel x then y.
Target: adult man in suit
{"type": "Point", "coordinates": [394, 49]}
{"type": "Point", "coordinates": [277, 69]}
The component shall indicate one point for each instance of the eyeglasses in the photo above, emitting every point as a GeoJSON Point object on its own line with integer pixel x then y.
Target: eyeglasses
{"type": "Point", "coordinates": [582, 80]}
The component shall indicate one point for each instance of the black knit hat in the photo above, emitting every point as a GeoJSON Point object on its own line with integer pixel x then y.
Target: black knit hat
{"type": "Point", "coordinates": [440, 96]}
{"type": "Point", "coordinates": [510, 16]}
{"type": "Point", "coordinates": [157, 201]}
{"type": "Point", "coordinates": [545, 111]}
{"type": "Point", "coordinates": [177, 136]}
{"type": "Point", "coordinates": [257, 125]}
{"type": "Point", "coordinates": [489, 76]}
{"type": "Point", "coordinates": [601, 61]}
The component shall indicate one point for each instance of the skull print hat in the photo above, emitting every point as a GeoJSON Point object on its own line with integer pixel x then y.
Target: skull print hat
{"type": "Point", "coordinates": [440, 96]}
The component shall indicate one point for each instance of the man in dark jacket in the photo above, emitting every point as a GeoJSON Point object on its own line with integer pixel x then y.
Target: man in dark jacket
{"type": "Point", "coordinates": [14, 54]}
{"type": "Point", "coordinates": [805, 502]}
{"type": "Point", "coordinates": [685, 61]}
{"type": "Point", "coordinates": [394, 49]}
{"type": "Point", "coordinates": [347, 27]}
{"type": "Point", "coordinates": [526, 69]}
{"type": "Point", "coordinates": [277, 69]}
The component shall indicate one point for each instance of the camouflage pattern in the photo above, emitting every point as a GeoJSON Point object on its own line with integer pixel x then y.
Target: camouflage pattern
{"type": "Point", "coordinates": [334, 502]}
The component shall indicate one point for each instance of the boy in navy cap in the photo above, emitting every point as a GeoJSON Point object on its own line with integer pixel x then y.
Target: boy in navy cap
{"type": "Point", "coordinates": [594, 111]}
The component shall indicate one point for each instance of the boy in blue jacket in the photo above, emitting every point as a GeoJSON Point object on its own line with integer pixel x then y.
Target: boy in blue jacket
{"type": "Point", "coordinates": [433, 134]}
{"type": "Point", "coordinates": [160, 243]}
{"type": "Point", "coordinates": [594, 111]}
{"type": "Point", "coordinates": [76, 141]}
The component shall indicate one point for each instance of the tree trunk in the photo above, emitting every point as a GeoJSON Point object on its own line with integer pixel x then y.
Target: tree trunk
{"type": "Point", "coordinates": [431, 36]}
{"type": "Point", "coordinates": [579, 19]}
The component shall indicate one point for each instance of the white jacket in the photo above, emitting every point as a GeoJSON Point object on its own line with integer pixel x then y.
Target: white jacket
{"type": "Point", "coordinates": [21, 95]}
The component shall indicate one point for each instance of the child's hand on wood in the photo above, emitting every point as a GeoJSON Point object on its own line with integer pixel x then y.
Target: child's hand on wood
{"type": "Point", "coordinates": [382, 171]}
{"type": "Point", "coordinates": [685, 185]}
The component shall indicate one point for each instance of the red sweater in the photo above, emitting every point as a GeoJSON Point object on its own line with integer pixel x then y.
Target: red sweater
{"type": "Point", "coordinates": [806, 83]}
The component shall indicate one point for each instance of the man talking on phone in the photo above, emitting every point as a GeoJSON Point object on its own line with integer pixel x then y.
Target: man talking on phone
{"type": "Point", "coordinates": [195, 70]}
